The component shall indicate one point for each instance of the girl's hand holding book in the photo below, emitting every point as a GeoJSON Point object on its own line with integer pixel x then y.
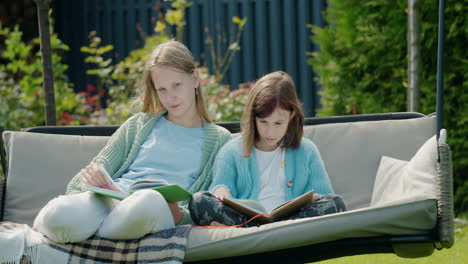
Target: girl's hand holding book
{"type": "Point", "coordinates": [96, 175]}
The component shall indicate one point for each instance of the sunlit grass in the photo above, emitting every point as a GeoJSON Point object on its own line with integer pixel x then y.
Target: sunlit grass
{"type": "Point", "coordinates": [456, 255]}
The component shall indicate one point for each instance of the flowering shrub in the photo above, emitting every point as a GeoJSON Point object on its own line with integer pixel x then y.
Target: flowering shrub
{"type": "Point", "coordinates": [121, 80]}
{"type": "Point", "coordinates": [21, 92]}
{"type": "Point", "coordinates": [222, 103]}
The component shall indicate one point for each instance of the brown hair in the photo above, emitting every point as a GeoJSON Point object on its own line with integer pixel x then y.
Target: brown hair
{"type": "Point", "coordinates": [175, 55]}
{"type": "Point", "coordinates": [273, 90]}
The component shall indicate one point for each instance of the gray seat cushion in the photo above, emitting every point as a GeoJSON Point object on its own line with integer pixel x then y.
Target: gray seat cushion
{"type": "Point", "coordinates": [410, 218]}
{"type": "Point", "coordinates": [39, 168]}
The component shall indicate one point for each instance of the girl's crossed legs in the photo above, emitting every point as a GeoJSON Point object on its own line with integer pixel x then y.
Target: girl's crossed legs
{"type": "Point", "coordinates": [206, 208]}
{"type": "Point", "coordinates": [76, 217]}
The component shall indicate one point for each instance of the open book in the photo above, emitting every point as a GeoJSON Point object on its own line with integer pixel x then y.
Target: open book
{"type": "Point", "coordinates": [171, 192]}
{"type": "Point", "coordinates": [252, 208]}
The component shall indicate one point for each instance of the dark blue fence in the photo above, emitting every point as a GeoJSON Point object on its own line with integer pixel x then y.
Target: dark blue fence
{"type": "Point", "coordinates": [276, 36]}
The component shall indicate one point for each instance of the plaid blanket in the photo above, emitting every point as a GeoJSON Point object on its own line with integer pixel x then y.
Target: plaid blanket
{"type": "Point", "coordinates": [167, 246]}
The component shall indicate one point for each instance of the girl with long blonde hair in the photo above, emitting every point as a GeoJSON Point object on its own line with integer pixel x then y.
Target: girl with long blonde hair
{"type": "Point", "coordinates": [171, 139]}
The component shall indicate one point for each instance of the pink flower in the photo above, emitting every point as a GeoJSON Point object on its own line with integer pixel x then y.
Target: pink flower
{"type": "Point", "coordinates": [240, 91]}
{"type": "Point", "coordinates": [90, 88]}
{"type": "Point", "coordinates": [92, 100]}
{"type": "Point", "coordinates": [139, 27]}
{"type": "Point", "coordinates": [67, 117]}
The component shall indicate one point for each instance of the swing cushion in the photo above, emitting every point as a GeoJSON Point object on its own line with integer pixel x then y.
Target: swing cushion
{"type": "Point", "coordinates": [352, 154]}
{"type": "Point", "coordinates": [398, 181]}
{"type": "Point", "coordinates": [352, 151]}
{"type": "Point", "coordinates": [40, 166]}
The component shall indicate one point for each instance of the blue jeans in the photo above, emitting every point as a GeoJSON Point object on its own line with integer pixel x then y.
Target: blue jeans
{"type": "Point", "coordinates": [205, 208]}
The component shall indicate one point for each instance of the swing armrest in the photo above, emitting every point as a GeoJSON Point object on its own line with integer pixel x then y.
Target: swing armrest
{"type": "Point", "coordinates": [445, 212]}
{"type": "Point", "coordinates": [2, 196]}
{"type": "Point", "coordinates": [4, 170]}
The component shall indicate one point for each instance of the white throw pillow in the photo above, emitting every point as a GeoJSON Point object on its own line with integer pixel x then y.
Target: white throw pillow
{"type": "Point", "coordinates": [442, 136]}
{"type": "Point", "coordinates": [400, 181]}
{"type": "Point", "coordinates": [389, 181]}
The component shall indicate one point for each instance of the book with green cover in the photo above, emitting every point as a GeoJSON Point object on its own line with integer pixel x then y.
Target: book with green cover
{"type": "Point", "coordinates": [171, 192]}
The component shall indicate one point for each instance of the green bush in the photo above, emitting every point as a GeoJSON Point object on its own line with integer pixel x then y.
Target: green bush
{"type": "Point", "coordinates": [21, 92]}
{"type": "Point", "coordinates": [362, 67]}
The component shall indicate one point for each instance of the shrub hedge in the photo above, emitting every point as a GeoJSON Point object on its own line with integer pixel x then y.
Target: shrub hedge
{"type": "Point", "coordinates": [362, 67]}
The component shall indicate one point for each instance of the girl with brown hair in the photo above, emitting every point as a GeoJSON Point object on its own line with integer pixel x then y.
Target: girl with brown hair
{"type": "Point", "coordinates": [270, 162]}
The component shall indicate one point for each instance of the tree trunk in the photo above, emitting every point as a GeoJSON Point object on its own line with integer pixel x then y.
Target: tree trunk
{"type": "Point", "coordinates": [47, 74]}
{"type": "Point", "coordinates": [414, 58]}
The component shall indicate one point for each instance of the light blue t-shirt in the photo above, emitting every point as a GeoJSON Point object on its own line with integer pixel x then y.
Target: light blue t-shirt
{"type": "Point", "coordinates": [170, 152]}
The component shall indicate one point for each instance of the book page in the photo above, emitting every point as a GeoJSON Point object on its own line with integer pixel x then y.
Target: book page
{"type": "Point", "coordinates": [252, 208]}
{"type": "Point", "coordinates": [255, 205]}
{"type": "Point", "coordinates": [109, 178]}
{"type": "Point", "coordinates": [146, 183]}
{"type": "Point", "coordinates": [115, 193]}
{"type": "Point", "coordinates": [293, 206]}
{"type": "Point", "coordinates": [249, 208]}
{"type": "Point", "coordinates": [119, 195]}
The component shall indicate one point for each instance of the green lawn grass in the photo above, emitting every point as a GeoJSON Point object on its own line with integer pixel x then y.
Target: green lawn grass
{"type": "Point", "coordinates": [458, 254]}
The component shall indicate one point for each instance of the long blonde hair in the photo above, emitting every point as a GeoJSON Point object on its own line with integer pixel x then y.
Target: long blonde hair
{"type": "Point", "coordinates": [175, 55]}
{"type": "Point", "coordinates": [273, 90]}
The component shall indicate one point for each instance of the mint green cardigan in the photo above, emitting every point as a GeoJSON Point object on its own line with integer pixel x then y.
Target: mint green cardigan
{"type": "Point", "coordinates": [122, 149]}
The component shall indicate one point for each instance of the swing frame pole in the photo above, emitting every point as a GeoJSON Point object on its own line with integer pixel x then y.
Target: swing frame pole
{"type": "Point", "coordinates": [440, 67]}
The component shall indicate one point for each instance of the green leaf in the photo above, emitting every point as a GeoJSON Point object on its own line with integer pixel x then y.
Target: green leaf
{"type": "Point", "coordinates": [160, 26]}
{"type": "Point", "coordinates": [236, 19]}
{"type": "Point", "coordinates": [104, 49]}
{"type": "Point", "coordinates": [174, 17]}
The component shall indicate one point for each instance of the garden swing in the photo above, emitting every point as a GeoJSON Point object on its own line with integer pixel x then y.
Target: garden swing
{"type": "Point", "coordinates": [354, 149]}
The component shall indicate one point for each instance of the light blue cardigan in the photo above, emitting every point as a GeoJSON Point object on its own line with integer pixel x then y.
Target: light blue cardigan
{"type": "Point", "coordinates": [304, 171]}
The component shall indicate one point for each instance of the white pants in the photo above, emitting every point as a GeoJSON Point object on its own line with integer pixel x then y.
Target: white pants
{"type": "Point", "coordinates": [76, 217]}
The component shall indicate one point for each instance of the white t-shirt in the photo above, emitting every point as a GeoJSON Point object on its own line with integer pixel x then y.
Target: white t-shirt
{"type": "Point", "coordinates": [272, 178]}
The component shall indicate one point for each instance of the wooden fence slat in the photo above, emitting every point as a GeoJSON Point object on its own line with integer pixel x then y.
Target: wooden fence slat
{"type": "Point", "coordinates": [118, 19]}
{"type": "Point", "coordinates": [234, 72]}
{"type": "Point", "coordinates": [261, 38]}
{"type": "Point", "coordinates": [304, 80]}
{"type": "Point", "coordinates": [276, 36]}
{"type": "Point", "coordinates": [289, 39]}
{"type": "Point", "coordinates": [247, 42]}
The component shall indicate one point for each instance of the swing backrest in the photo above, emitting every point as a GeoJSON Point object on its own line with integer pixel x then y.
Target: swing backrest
{"type": "Point", "coordinates": [352, 151]}
{"type": "Point", "coordinates": [40, 165]}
